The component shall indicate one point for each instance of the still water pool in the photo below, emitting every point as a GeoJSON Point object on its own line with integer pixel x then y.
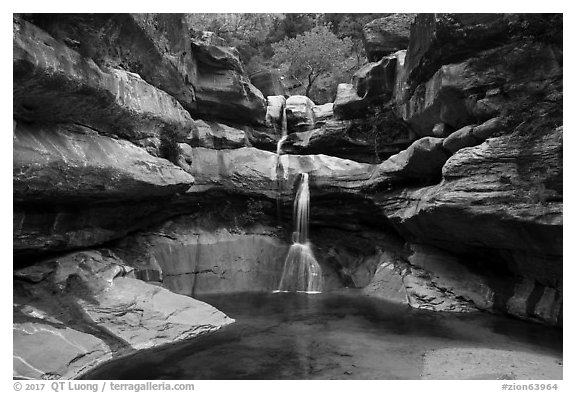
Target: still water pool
{"type": "Point", "coordinates": [326, 336]}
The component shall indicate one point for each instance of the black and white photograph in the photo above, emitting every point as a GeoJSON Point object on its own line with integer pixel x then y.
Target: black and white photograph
{"type": "Point", "coordinates": [286, 196]}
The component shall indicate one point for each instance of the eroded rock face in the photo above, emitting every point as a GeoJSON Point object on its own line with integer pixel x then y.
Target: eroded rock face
{"type": "Point", "coordinates": [438, 39]}
{"type": "Point", "coordinates": [66, 315]}
{"type": "Point", "coordinates": [155, 46]}
{"type": "Point", "coordinates": [268, 82]}
{"type": "Point", "coordinates": [223, 90]}
{"type": "Point", "coordinates": [206, 78]}
{"type": "Point", "coordinates": [64, 164]}
{"type": "Point", "coordinates": [299, 113]}
{"type": "Point", "coordinates": [376, 79]}
{"type": "Point", "coordinates": [473, 91]}
{"type": "Point", "coordinates": [323, 113]}
{"type": "Point", "coordinates": [253, 171]}
{"type": "Point", "coordinates": [191, 258]}
{"type": "Point", "coordinates": [386, 35]}
{"type": "Point", "coordinates": [40, 229]}
{"type": "Point", "coordinates": [353, 139]}
{"type": "Point", "coordinates": [504, 195]}
{"type": "Point", "coordinates": [53, 83]}
{"type": "Point", "coordinates": [214, 135]}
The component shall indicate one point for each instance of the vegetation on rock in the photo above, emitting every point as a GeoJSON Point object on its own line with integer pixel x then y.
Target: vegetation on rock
{"type": "Point", "coordinates": [312, 54]}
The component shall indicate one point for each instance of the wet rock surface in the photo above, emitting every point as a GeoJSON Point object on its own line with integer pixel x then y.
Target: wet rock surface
{"type": "Point", "coordinates": [74, 312]}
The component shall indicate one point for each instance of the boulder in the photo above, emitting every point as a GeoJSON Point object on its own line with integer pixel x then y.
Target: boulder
{"type": "Point", "coordinates": [422, 160]}
{"type": "Point", "coordinates": [70, 164]}
{"type": "Point", "coordinates": [299, 113]}
{"type": "Point", "coordinates": [348, 105]}
{"type": "Point", "coordinates": [40, 229]}
{"type": "Point", "coordinates": [269, 82]}
{"type": "Point", "coordinates": [376, 79]}
{"type": "Point", "coordinates": [439, 281]}
{"type": "Point", "coordinates": [214, 135]}
{"type": "Point", "coordinates": [387, 282]}
{"type": "Point", "coordinates": [215, 56]}
{"type": "Point", "coordinates": [66, 315]}
{"type": "Point", "coordinates": [460, 139]}
{"type": "Point", "coordinates": [223, 90]}
{"type": "Point", "coordinates": [275, 112]}
{"type": "Point", "coordinates": [53, 83]}
{"type": "Point", "coordinates": [372, 85]}
{"type": "Point", "coordinates": [473, 135]}
{"type": "Point", "coordinates": [386, 35]}
{"type": "Point", "coordinates": [227, 95]}
{"type": "Point", "coordinates": [322, 113]}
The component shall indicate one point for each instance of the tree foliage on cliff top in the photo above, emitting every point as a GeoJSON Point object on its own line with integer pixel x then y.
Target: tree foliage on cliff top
{"type": "Point", "coordinates": [314, 53]}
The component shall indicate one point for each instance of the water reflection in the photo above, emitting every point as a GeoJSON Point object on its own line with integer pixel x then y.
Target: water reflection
{"type": "Point", "coordinates": [325, 336]}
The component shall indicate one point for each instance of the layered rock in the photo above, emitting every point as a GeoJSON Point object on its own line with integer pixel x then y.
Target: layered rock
{"type": "Point", "coordinates": [68, 163]}
{"type": "Point", "coordinates": [323, 113]}
{"type": "Point", "coordinates": [348, 104]}
{"type": "Point", "coordinates": [372, 85]}
{"type": "Point", "coordinates": [155, 46]}
{"type": "Point", "coordinates": [214, 135]}
{"type": "Point", "coordinates": [39, 228]}
{"type": "Point", "coordinates": [268, 82]}
{"type": "Point", "coordinates": [74, 312]}
{"type": "Point", "coordinates": [376, 79]}
{"type": "Point", "coordinates": [223, 90]}
{"type": "Point", "coordinates": [191, 256]}
{"type": "Point", "coordinates": [275, 115]}
{"type": "Point", "coordinates": [161, 49]}
{"type": "Point", "coordinates": [504, 195]}
{"type": "Point", "coordinates": [299, 113]}
{"type": "Point", "coordinates": [386, 35]}
{"type": "Point", "coordinates": [53, 83]}
{"type": "Point", "coordinates": [254, 172]}
{"type": "Point", "coordinates": [492, 83]}
{"type": "Point", "coordinates": [357, 139]}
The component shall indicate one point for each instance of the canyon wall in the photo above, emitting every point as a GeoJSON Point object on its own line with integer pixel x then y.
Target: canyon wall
{"type": "Point", "coordinates": [144, 158]}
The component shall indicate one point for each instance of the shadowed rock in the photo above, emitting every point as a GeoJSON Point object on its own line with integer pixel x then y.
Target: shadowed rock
{"type": "Point", "coordinates": [53, 83]}
{"type": "Point", "coordinates": [386, 35]}
{"type": "Point", "coordinates": [473, 91]}
{"type": "Point", "coordinates": [216, 136]}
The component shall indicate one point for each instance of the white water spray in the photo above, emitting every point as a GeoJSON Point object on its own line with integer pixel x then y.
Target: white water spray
{"type": "Point", "coordinates": [301, 273]}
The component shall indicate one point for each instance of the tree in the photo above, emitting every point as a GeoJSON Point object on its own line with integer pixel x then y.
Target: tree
{"type": "Point", "coordinates": [351, 25]}
{"type": "Point", "coordinates": [311, 54]}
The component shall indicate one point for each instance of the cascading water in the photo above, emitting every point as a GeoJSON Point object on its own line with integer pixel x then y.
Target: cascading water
{"type": "Point", "coordinates": [279, 165]}
{"type": "Point", "coordinates": [301, 273]}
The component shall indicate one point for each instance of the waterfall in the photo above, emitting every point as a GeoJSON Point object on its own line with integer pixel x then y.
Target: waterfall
{"type": "Point", "coordinates": [301, 273]}
{"type": "Point", "coordinates": [279, 165]}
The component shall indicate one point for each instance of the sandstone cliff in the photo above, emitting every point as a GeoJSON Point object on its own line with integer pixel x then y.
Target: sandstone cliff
{"type": "Point", "coordinates": [142, 152]}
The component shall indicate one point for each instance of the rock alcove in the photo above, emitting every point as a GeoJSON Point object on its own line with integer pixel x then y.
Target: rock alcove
{"type": "Point", "coordinates": [145, 168]}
